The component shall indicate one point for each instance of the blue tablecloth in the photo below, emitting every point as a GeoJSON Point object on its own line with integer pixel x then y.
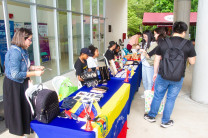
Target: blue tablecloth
{"type": "Point", "coordinates": [64, 128]}
{"type": "Point", "coordinates": [61, 127]}
{"type": "Point", "coordinates": [135, 82]}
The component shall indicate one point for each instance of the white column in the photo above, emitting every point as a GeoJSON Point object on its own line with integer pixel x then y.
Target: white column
{"type": "Point", "coordinates": [91, 35]}
{"type": "Point", "coordinates": [70, 36]}
{"type": "Point", "coordinates": [182, 9]}
{"type": "Point", "coordinates": [36, 46]}
{"type": "Point", "coordinates": [82, 24]}
{"type": "Point", "coordinates": [199, 90]}
{"type": "Point", "coordinates": [56, 37]}
{"type": "Point", "coordinates": [6, 22]}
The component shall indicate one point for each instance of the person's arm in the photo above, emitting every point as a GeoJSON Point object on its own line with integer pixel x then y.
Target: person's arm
{"type": "Point", "coordinates": [156, 66]}
{"type": "Point", "coordinates": [151, 53]}
{"type": "Point", "coordinates": [192, 60]}
{"type": "Point", "coordinates": [79, 78]}
{"type": "Point", "coordinates": [34, 73]}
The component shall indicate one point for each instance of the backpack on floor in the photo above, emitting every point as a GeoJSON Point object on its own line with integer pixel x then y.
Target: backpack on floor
{"type": "Point", "coordinates": [46, 105]}
{"type": "Point", "coordinates": [173, 61]}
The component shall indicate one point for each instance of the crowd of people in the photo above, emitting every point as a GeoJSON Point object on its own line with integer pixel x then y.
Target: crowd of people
{"type": "Point", "coordinates": [152, 46]}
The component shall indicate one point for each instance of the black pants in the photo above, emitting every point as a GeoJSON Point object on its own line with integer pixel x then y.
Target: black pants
{"type": "Point", "coordinates": [16, 108]}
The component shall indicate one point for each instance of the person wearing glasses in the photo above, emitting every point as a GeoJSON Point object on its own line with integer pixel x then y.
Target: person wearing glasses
{"type": "Point", "coordinates": [17, 113]}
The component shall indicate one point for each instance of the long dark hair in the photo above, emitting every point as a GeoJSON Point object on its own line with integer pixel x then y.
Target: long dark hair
{"type": "Point", "coordinates": [92, 49]}
{"type": "Point", "coordinates": [150, 38]}
{"type": "Point", "coordinates": [161, 31]}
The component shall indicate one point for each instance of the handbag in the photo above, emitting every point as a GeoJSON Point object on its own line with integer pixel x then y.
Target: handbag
{"type": "Point", "coordinates": [149, 94]}
{"type": "Point", "coordinates": [68, 103]}
{"type": "Point", "coordinates": [90, 78]}
{"type": "Point", "coordinates": [66, 89]}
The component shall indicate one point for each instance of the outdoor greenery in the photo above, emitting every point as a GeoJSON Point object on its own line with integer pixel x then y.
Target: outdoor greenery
{"type": "Point", "coordinates": [136, 9]}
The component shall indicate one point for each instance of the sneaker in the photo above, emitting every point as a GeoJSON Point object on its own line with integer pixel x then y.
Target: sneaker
{"type": "Point", "coordinates": [149, 118]}
{"type": "Point", "coordinates": [168, 124]}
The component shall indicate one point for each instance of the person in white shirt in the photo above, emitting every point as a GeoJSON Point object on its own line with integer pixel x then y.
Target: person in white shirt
{"type": "Point", "coordinates": [92, 62]}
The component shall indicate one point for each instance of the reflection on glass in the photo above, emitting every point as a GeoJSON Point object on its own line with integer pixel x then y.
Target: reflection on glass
{"type": "Point", "coordinates": [63, 42]}
{"type": "Point", "coordinates": [95, 33]}
{"type": "Point", "coordinates": [45, 2]}
{"type": "Point", "coordinates": [47, 42]}
{"type": "Point", "coordinates": [94, 7]}
{"type": "Point", "coordinates": [76, 31]}
{"type": "Point", "coordinates": [101, 8]}
{"type": "Point", "coordinates": [75, 5]}
{"type": "Point", "coordinates": [86, 6]}
{"type": "Point", "coordinates": [86, 31]}
{"type": "Point", "coordinates": [62, 4]}
{"type": "Point", "coordinates": [102, 47]}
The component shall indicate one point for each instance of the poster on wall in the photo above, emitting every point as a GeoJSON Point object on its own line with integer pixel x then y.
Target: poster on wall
{"type": "Point", "coordinates": [43, 41]}
{"type": "Point", "coordinates": [42, 28]}
{"type": "Point", "coordinates": [3, 43]}
{"type": "Point", "coordinates": [18, 25]}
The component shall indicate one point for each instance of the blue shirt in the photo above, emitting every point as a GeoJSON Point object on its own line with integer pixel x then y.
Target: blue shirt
{"type": "Point", "coordinates": [16, 64]}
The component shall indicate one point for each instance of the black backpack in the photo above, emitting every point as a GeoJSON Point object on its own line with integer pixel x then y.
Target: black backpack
{"type": "Point", "coordinates": [173, 61]}
{"type": "Point", "coordinates": [46, 105]}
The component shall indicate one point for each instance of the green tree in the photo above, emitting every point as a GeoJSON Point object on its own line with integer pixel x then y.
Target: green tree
{"type": "Point", "coordinates": [136, 9]}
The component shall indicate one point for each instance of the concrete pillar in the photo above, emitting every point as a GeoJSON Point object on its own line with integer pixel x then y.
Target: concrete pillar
{"type": "Point", "coordinates": [199, 90]}
{"type": "Point", "coordinates": [182, 9]}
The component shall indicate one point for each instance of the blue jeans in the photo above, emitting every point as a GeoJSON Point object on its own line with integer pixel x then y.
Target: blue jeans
{"type": "Point", "coordinates": [161, 86]}
{"type": "Point", "coordinates": [147, 76]}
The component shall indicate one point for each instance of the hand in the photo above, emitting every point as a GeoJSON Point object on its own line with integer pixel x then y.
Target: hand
{"type": "Point", "coordinates": [141, 50]}
{"type": "Point", "coordinates": [39, 68]}
{"type": "Point", "coordinates": [38, 73]}
{"type": "Point", "coordinates": [154, 77]}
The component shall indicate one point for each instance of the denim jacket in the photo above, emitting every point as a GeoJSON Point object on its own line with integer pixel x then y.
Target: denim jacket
{"type": "Point", "coordinates": [16, 64]}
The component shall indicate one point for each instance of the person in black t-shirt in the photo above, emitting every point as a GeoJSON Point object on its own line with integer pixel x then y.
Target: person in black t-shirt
{"type": "Point", "coordinates": [109, 54]}
{"type": "Point", "coordinates": [81, 63]}
{"type": "Point", "coordinates": [162, 85]}
{"type": "Point", "coordinates": [116, 51]}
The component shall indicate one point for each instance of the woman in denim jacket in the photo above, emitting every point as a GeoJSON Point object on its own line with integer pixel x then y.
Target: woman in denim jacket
{"type": "Point", "coordinates": [18, 72]}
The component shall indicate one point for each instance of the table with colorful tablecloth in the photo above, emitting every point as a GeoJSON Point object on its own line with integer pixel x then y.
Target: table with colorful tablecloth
{"type": "Point", "coordinates": [115, 106]}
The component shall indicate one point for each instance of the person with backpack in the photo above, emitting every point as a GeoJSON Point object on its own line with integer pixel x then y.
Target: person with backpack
{"type": "Point", "coordinates": [171, 56]}
{"type": "Point", "coordinates": [18, 71]}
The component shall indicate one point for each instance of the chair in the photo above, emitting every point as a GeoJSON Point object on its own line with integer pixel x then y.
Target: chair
{"type": "Point", "coordinates": [30, 91]}
{"type": "Point", "coordinates": [106, 61]}
{"type": "Point", "coordinates": [56, 82]}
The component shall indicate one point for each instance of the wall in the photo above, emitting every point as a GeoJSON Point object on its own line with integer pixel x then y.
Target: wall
{"type": "Point", "coordinates": [116, 16]}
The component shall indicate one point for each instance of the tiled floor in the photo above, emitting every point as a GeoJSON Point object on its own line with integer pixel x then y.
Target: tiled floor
{"type": "Point", "coordinates": [190, 117]}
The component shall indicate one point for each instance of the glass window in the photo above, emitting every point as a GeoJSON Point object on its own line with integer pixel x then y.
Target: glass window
{"type": "Point", "coordinates": [102, 46]}
{"type": "Point", "coordinates": [63, 42]}
{"type": "Point", "coordinates": [76, 31]}
{"type": "Point", "coordinates": [75, 5]}
{"type": "Point", "coordinates": [95, 32]}
{"type": "Point", "coordinates": [101, 8]}
{"type": "Point", "coordinates": [45, 2]}
{"type": "Point", "coordinates": [94, 7]}
{"type": "Point", "coordinates": [86, 31]}
{"type": "Point", "coordinates": [47, 42]}
{"type": "Point", "coordinates": [86, 6]}
{"type": "Point", "coordinates": [62, 4]}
